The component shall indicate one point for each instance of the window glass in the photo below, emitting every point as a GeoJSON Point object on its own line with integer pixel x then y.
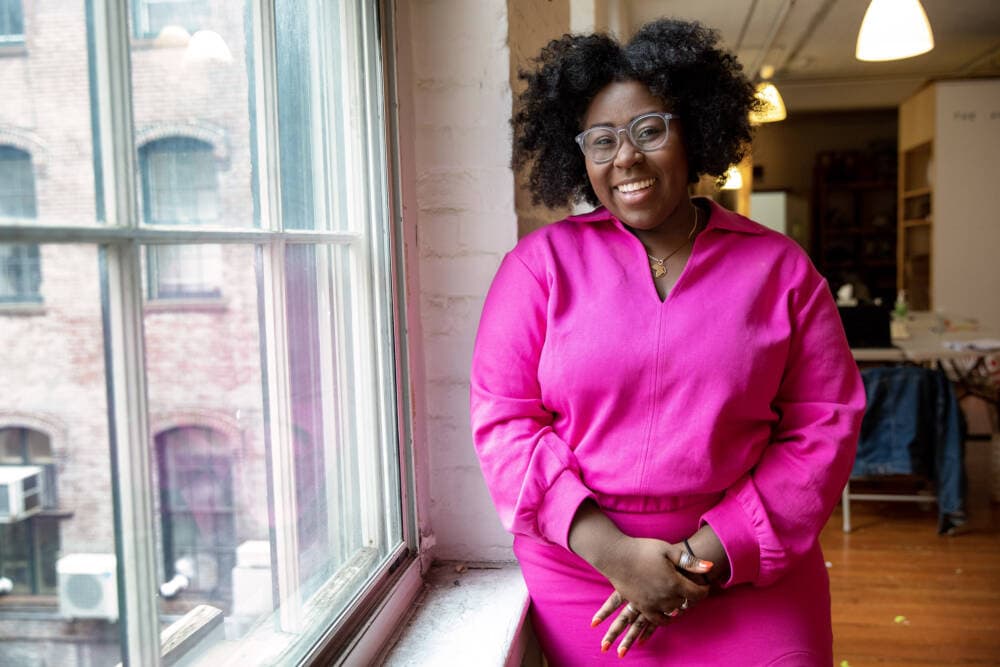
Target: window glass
{"type": "Point", "coordinates": [20, 268]}
{"type": "Point", "coordinates": [11, 21]}
{"type": "Point", "coordinates": [57, 537]}
{"type": "Point", "coordinates": [152, 16]}
{"type": "Point", "coordinates": [178, 182]}
{"type": "Point", "coordinates": [206, 396]}
{"type": "Point", "coordinates": [17, 183]}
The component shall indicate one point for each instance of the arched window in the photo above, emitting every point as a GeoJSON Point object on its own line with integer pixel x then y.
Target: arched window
{"type": "Point", "coordinates": [196, 509]}
{"type": "Point", "coordinates": [29, 545]}
{"type": "Point", "coordinates": [20, 268]}
{"type": "Point", "coordinates": [180, 187]}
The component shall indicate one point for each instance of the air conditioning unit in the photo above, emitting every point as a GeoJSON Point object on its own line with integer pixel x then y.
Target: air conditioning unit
{"type": "Point", "coordinates": [20, 492]}
{"type": "Point", "coordinates": [88, 586]}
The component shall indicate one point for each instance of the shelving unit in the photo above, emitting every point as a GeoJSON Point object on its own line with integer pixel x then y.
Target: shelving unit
{"type": "Point", "coordinates": [854, 219]}
{"type": "Point", "coordinates": [916, 198]}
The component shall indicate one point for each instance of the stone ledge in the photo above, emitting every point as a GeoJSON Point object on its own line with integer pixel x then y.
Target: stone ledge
{"type": "Point", "coordinates": [468, 614]}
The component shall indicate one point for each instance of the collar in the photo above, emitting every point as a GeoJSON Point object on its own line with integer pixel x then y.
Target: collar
{"type": "Point", "coordinates": [719, 218]}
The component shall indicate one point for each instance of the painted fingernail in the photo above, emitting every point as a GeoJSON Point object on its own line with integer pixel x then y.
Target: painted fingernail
{"type": "Point", "coordinates": [595, 621]}
{"type": "Point", "coordinates": [605, 645]}
{"type": "Point", "coordinates": [672, 613]}
{"type": "Point", "coordinates": [707, 564]}
{"type": "Point", "coordinates": [622, 650]}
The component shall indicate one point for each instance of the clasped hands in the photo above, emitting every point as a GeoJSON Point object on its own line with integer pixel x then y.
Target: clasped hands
{"type": "Point", "coordinates": [650, 589]}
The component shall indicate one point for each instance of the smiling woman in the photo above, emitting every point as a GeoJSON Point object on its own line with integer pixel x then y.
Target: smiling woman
{"type": "Point", "coordinates": [665, 465]}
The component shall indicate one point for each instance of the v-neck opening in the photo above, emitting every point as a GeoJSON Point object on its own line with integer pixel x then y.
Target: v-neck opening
{"type": "Point", "coordinates": [650, 281]}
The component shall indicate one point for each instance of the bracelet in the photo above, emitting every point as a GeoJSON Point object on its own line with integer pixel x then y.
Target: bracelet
{"type": "Point", "coordinates": [704, 577]}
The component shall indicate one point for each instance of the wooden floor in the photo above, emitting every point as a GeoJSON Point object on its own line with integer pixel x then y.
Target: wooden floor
{"type": "Point", "coordinates": [903, 595]}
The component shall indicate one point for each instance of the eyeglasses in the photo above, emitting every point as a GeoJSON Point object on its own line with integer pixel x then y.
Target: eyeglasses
{"type": "Point", "coordinates": [646, 132]}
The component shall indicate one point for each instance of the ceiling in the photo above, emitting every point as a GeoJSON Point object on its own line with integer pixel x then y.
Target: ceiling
{"type": "Point", "coordinates": [812, 46]}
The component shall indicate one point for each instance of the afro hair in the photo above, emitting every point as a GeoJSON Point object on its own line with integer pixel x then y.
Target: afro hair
{"type": "Point", "coordinates": [679, 61]}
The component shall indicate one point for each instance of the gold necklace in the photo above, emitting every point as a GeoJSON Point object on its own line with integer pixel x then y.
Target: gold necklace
{"type": "Point", "coordinates": [659, 266]}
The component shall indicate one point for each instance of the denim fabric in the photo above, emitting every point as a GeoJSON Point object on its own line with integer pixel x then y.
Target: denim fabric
{"type": "Point", "coordinates": [912, 426]}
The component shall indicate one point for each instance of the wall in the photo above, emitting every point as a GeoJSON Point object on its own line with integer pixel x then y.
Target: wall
{"type": "Point", "coordinates": [966, 230]}
{"type": "Point", "coordinates": [786, 150]}
{"type": "Point", "coordinates": [458, 91]}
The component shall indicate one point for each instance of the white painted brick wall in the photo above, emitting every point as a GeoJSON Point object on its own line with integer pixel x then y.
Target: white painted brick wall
{"type": "Point", "coordinates": [461, 100]}
{"type": "Point", "coordinates": [465, 223]}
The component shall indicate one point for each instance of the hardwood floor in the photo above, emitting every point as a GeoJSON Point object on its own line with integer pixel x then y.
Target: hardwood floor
{"type": "Point", "coordinates": [903, 595]}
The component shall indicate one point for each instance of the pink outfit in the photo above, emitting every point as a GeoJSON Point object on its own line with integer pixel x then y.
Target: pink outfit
{"type": "Point", "coordinates": [734, 402]}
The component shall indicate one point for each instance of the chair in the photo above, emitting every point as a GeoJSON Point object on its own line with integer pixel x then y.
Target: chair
{"type": "Point", "coordinates": [911, 426]}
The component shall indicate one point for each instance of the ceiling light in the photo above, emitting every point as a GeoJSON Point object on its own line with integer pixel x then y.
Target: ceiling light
{"type": "Point", "coordinates": [773, 107]}
{"type": "Point", "coordinates": [894, 29]}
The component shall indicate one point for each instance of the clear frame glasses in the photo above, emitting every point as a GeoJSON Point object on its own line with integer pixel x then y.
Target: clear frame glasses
{"type": "Point", "coordinates": [647, 132]}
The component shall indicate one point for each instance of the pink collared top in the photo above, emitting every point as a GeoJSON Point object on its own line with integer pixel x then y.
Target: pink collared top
{"type": "Point", "coordinates": [740, 385]}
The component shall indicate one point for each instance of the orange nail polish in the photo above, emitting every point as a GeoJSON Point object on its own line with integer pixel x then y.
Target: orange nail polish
{"type": "Point", "coordinates": [595, 621]}
{"type": "Point", "coordinates": [605, 645]}
{"type": "Point", "coordinates": [707, 564]}
{"type": "Point", "coordinates": [622, 650]}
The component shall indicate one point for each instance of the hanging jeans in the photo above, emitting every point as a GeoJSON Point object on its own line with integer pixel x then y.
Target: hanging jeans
{"type": "Point", "coordinates": [912, 426]}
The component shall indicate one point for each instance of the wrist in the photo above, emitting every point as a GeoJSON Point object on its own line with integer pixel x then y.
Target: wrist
{"type": "Point", "coordinates": [596, 539]}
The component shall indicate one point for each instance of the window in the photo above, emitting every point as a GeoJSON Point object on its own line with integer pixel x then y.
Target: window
{"type": "Point", "coordinates": [197, 511]}
{"type": "Point", "coordinates": [179, 187]}
{"type": "Point", "coordinates": [11, 22]}
{"type": "Point", "coordinates": [20, 267]}
{"type": "Point", "coordinates": [254, 448]}
{"type": "Point", "coordinates": [152, 16]}
{"type": "Point", "coordinates": [29, 546]}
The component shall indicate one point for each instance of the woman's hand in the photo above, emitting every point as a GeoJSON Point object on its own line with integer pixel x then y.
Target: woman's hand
{"type": "Point", "coordinates": [646, 579]}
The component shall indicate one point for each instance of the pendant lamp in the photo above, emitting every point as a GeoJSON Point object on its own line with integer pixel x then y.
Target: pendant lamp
{"type": "Point", "coordinates": [767, 93]}
{"type": "Point", "coordinates": [894, 29]}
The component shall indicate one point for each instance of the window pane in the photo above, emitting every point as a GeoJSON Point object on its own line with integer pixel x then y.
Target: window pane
{"type": "Point", "coordinates": [46, 146]}
{"type": "Point", "coordinates": [155, 15]}
{"type": "Point", "coordinates": [191, 110]}
{"type": "Point", "coordinates": [205, 390]}
{"type": "Point", "coordinates": [346, 481]}
{"type": "Point", "coordinates": [322, 123]}
{"type": "Point", "coordinates": [11, 21]}
{"type": "Point", "coordinates": [20, 273]}
{"type": "Point", "coordinates": [59, 549]}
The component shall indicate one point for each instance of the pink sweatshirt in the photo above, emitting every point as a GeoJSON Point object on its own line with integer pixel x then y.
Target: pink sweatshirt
{"type": "Point", "coordinates": [740, 386]}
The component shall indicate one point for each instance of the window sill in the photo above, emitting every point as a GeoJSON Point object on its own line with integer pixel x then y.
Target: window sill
{"type": "Point", "coordinates": [192, 304]}
{"type": "Point", "coordinates": [13, 50]}
{"type": "Point", "coordinates": [468, 614]}
{"type": "Point", "coordinates": [22, 308]}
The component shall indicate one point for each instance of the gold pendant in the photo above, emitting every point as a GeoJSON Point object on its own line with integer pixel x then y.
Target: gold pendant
{"type": "Point", "coordinates": [658, 269]}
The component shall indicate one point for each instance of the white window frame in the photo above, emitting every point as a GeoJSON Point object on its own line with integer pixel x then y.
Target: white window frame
{"type": "Point", "coordinates": [372, 615]}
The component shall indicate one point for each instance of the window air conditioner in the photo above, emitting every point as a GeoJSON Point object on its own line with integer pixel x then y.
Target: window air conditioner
{"type": "Point", "coordinates": [20, 492]}
{"type": "Point", "coordinates": [88, 586]}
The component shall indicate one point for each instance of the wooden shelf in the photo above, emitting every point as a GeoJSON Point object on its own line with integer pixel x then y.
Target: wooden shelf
{"type": "Point", "coordinates": [916, 192]}
{"type": "Point", "coordinates": [917, 223]}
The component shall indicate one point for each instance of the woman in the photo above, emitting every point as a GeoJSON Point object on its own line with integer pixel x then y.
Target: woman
{"type": "Point", "coordinates": [663, 401]}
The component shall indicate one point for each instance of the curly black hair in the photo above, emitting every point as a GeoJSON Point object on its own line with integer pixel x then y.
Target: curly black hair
{"type": "Point", "coordinates": [679, 61]}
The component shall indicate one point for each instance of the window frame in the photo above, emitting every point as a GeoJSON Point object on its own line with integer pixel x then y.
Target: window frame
{"type": "Point", "coordinates": [120, 237]}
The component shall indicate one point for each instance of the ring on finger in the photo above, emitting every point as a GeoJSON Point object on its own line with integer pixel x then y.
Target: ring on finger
{"type": "Point", "coordinates": [630, 609]}
{"type": "Point", "coordinates": [686, 560]}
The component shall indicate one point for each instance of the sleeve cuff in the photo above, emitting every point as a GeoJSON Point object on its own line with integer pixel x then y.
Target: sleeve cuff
{"type": "Point", "coordinates": [562, 500]}
{"type": "Point", "coordinates": [733, 527]}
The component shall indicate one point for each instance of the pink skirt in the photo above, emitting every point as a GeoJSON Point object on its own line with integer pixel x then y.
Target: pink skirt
{"type": "Point", "coordinates": [785, 624]}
